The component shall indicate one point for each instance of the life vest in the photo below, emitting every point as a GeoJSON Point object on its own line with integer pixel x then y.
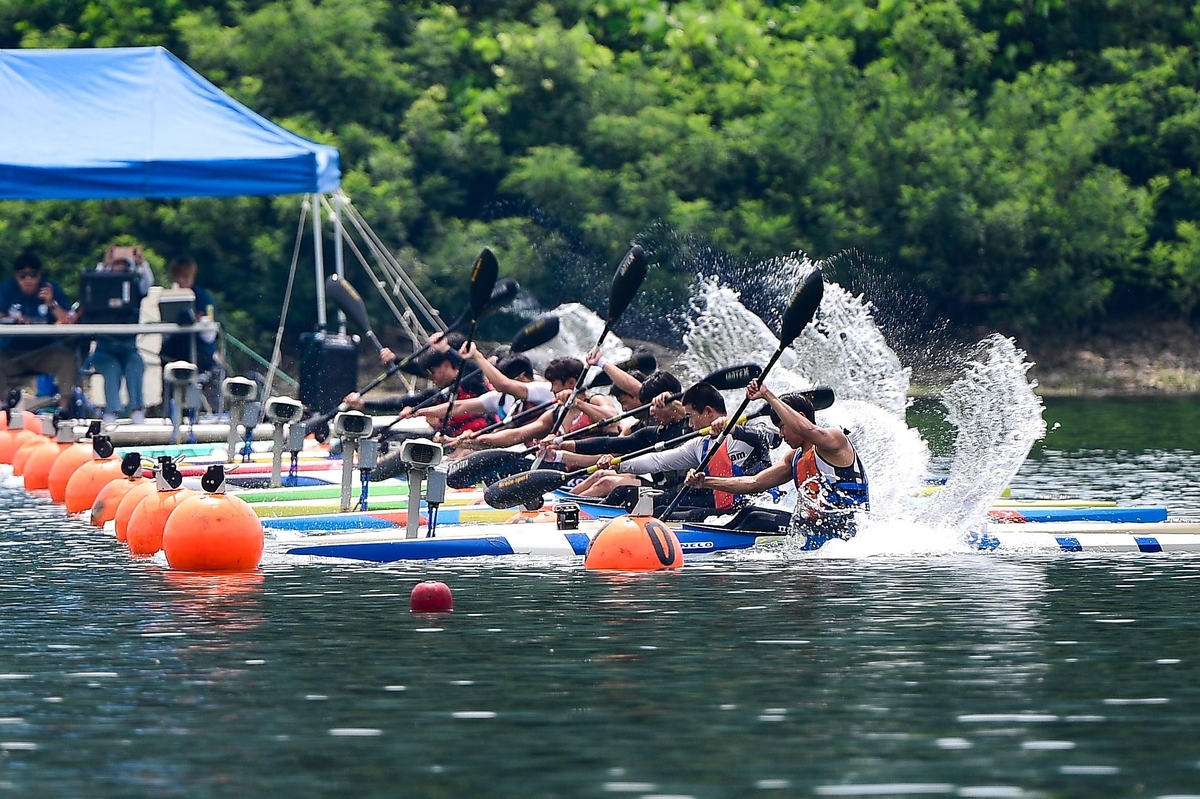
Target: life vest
{"type": "Point", "coordinates": [466, 421]}
{"type": "Point", "coordinates": [721, 465]}
{"type": "Point", "coordinates": [825, 489]}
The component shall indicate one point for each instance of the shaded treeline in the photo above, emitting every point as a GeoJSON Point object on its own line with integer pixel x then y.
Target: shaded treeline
{"type": "Point", "coordinates": [1030, 164]}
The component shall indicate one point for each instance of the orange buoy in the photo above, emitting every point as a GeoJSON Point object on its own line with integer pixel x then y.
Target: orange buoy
{"type": "Point", "coordinates": [38, 465]}
{"type": "Point", "coordinates": [634, 544]}
{"type": "Point", "coordinates": [21, 457]}
{"type": "Point", "coordinates": [67, 463]}
{"type": "Point", "coordinates": [128, 504]}
{"type": "Point", "coordinates": [11, 440]}
{"type": "Point", "coordinates": [148, 520]}
{"type": "Point", "coordinates": [213, 531]}
{"type": "Point", "coordinates": [85, 483]}
{"type": "Point", "coordinates": [104, 509]}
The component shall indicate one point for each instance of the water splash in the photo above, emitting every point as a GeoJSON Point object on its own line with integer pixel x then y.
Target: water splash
{"type": "Point", "coordinates": [993, 408]}
{"type": "Point", "coordinates": [579, 327]}
{"type": "Point", "coordinates": [843, 349]}
{"type": "Point", "coordinates": [997, 418]}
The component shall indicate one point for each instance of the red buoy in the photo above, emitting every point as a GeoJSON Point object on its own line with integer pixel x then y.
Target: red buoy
{"type": "Point", "coordinates": [104, 509]}
{"type": "Point", "coordinates": [85, 485]}
{"type": "Point", "coordinates": [634, 544]}
{"type": "Point", "coordinates": [11, 441]}
{"type": "Point", "coordinates": [431, 596]}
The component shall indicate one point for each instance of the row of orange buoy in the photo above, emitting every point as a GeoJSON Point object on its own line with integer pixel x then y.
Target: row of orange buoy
{"type": "Point", "coordinates": [197, 531]}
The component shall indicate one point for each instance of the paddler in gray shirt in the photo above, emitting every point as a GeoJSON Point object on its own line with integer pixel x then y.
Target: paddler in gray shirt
{"type": "Point", "coordinates": [745, 451]}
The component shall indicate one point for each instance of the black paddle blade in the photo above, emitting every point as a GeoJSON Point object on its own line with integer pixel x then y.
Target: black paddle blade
{"type": "Point", "coordinates": [642, 361]}
{"type": "Point", "coordinates": [520, 489]}
{"type": "Point", "coordinates": [506, 291]}
{"type": "Point", "coordinates": [733, 377]}
{"type": "Point", "coordinates": [536, 333]}
{"type": "Point", "coordinates": [626, 282]}
{"type": "Point", "coordinates": [802, 308]}
{"type": "Point", "coordinates": [483, 281]}
{"type": "Point", "coordinates": [466, 472]}
{"type": "Point", "coordinates": [348, 300]}
{"type": "Point", "coordinates": [821, 397]}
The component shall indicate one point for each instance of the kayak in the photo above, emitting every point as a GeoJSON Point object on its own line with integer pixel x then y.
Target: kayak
{"type": "Point", "coordinates": [539, 538]}
{"type": "Point", "coordinates": [544, 538]}
{"type": "Point", "coordinates": [384, 518]}
{"type": "Point", "coordinates": [1011, 511]}
{"type": "Point", "coordinates": [303, 515]}
{"type": "Point", "coordinates": [1088, 537]}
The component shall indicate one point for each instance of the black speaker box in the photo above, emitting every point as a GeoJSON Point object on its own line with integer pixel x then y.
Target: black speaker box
{"type": "Point", "coordinates": [328, 370]}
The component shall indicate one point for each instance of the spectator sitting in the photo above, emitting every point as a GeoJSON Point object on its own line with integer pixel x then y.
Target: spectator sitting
{"type": "Point", "coordinates": [117, 356]}
{"type": "Point", "coordinates": [29, 299]}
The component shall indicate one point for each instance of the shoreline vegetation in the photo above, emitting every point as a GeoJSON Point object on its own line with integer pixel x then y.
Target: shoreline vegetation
{"type": "Point", "coordinates": [1031, 168]}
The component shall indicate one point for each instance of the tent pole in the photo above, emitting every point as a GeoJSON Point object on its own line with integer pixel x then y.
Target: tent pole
{"type": "Point", "coordinates": [319, 262]}
{"type": "Point", "coordinates": [338, 261]}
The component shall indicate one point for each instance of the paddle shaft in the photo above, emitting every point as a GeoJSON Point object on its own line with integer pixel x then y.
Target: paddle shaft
{"type": "Point", "coordinates": [520, 416]}
{"type": "Point", "coordinates": [712, 451]}
{"type": "Point", "coordinates": [561, 416]}
{"type": "Point", "coordinates": [457, 381]}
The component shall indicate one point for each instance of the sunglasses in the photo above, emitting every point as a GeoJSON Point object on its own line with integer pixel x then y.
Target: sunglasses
{"type": "Point", "coordinates": [27, 273]}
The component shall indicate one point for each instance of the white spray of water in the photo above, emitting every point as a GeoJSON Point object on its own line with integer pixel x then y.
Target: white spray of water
{"type": "Point", "coordinates": [578, 329]}
{"type": "Point", "coordinates": [843, 349]}
{"type": "Point", "coordinates": [993, 406]}
{"type": "Point", "coordinates": [866, 376]}
{"type": "Point", "coordinates": [997, 418]}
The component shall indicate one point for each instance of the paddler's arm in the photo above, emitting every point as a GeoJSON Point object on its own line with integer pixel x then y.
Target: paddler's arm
{"type": "Point", "coordinates": [621, 379]}
{"type": "Point", "coordinates": [514, 435]}
{"type": "Point", "coordinates": [768, 478]}
{"type": "Point", "coordinates": [831, 443]}
{"type": "Point", "coordinates": [685, 456]}
{"type": "Point", "coordinates": [497, 379]}
{"type": "Point", "coordinates": [596, 409]}
{"type": "Point", "coordinates": [475, 406]}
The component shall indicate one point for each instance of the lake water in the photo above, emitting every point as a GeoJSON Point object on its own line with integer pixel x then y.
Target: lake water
{"type": "Point", "coordinates": [752, 675]}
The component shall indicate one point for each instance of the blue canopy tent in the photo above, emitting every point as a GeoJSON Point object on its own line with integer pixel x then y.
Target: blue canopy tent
{"type": "Point", "coordinates": [138, 122]}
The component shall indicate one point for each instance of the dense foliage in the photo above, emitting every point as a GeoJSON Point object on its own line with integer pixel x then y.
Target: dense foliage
{"type": "Point", "coordinates": [1033, 164]}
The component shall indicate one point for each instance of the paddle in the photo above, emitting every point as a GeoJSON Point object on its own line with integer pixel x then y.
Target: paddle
{"type": "Point", "coordinates": [532, 486]}
{"type": "Point", "coordinates": [800, 312]}
{"type": "Point", "coordinates": [467, 471]}
{"type": "Point", "coordinates": [625, 284]}
{"type": "Point", "coordinates": [483, 280]}
{"type": "Point", "coordinates": [351, 303]}
{"type": "Point", "coordinates": [536, 333]}
{"type": "Point", "coordinates": [505, 291]}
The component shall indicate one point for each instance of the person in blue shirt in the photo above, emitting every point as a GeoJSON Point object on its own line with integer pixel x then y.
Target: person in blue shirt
{"type": "Point", "coordinates": [117, 357]}
{"type": "Point", "coordinates": [27, 298]}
